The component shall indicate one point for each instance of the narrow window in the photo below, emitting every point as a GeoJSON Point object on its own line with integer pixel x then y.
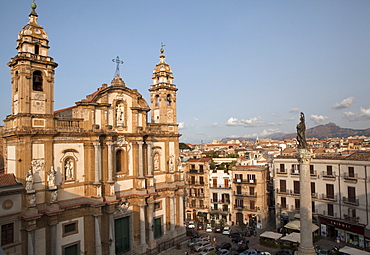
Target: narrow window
{"type": "Point", "coordinates": [330, 191]}
{"type": "Point", "coordinates": [37, 81]}
{"type": "Point", "coordinates": [282, 185]}
{"type": "Point", "coordinates": [283, 202]}
{"type": "Point", "coordinates": [169, 100]}
{"type": "Point", "coordinates": [156, 100]}
{"type": "Point", "coordinates": [37, 49]}
{"type": "Point", "coordinates": [330, 210]}
{"type": "Point", "coordinates": [118, 161]}
{"type": "Point", "coordinates": [351, 171]}
{"type": "Point", "coordinates": [329, 170]}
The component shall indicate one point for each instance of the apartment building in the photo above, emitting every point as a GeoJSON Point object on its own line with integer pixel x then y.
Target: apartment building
{"type": "Point", "coordinates": [249, 190]}
{"type": "Point", "coordinates": [339, 190]}
{"type": "Point", "coordinates": [197, 189]}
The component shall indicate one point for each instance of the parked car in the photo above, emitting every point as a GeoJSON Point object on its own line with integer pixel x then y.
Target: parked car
{"type": "Point", "coordinates": [249, 252]}
{"type": "Point", "coordinates": [226, 231]}
{"type": "Point", "coordinates": [222, 252]}
{"type": "Point", "coordinates": [235, 234]}
{"type": "Point", "coordinates": [191, 224]}
{"type": "Point", "coordinates": [240, 240]}
{"type": "Point", "coordinates": [223, 246]}
{"type": "Point", "coordinates": [192, 233]}
{"type": "Point", "coordinates": [200, 246]}
{"type": "Point", "coordinates": [209, 229]}
{"type": "Point", "coordinates": [218, 229]}
{"type": "Point", "coordinates": [250, 232]}
{"type": "Point", "coordinates": [240, 248]}
{"type": "Point", "coordinates": [200, 226]}
{"type": "Point", "coordinates": [285, 252]}
{"type": "Point", "coordinates": [207, 250]}
{"type": "Point", "coordinates": [263, 253]}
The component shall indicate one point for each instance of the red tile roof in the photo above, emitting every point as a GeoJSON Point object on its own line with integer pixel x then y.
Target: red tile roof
{"type": "Point", "coordinates": [199, 159]}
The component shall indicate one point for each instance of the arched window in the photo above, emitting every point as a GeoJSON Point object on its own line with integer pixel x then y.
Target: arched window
{"type": "Point", "coordinates": [169, 100]}
{"type": "Point", "coordinates": [69, 169]}
{"type": "Point", "coordinates": [156, 100]}
{"type": "Point", "coordinates": [37, 81]}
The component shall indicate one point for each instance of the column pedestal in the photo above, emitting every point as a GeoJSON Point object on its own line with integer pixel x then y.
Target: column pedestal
{"type": "Point", "coordinates": [306, 247]}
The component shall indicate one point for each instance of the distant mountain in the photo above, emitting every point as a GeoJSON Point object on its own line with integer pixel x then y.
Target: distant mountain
{"type": "Point", "coordinates": [330, 130]}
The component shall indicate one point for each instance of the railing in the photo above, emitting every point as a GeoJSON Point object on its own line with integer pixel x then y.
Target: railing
{"type": "Point", "coordinates": [220, 201]}
{"type": "Point", "coordinates": [200, 195]}
{"type": "Point", "coordinates": [313, 173]}
{"type": "Point", "coordinates": [352, 177]}
{"type": "Point", "coordinates": [281, 171]}
{"type": "Point", "coordinates": [328, 197]}
{"type": "Point", "coordinates": [221, 210]}
{"type": "Point", "coordinates": [351, 201]}
{"type": "Point", "coordinates": [220, 186]}
{"type": "Point", "coordinates": [166, 245]}
{"type": "Point", "coordinates": [245, 194]}
{"type": "Point", "coordinates": [68, 124]}
{"type": "Point", "coordinates": [294, 172]}
{"type": "Point", "coordinates": [324, 174]}
{"type": "Point", "coordinates": [245, 208]}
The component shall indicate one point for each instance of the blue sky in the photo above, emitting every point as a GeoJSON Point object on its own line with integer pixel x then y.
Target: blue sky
{"type": "Point", "coordinates": [243, 68]}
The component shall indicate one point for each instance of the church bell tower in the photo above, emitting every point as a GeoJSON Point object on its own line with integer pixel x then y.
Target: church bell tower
{"type": "Point", "coordinates": [32, 73]}
{"type": "Point", "coordinates": [163, 93]}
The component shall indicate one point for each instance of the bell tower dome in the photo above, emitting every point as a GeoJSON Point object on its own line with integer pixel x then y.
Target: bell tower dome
{"type": "Point", "coordinates": [32, 73]}
{"type": "Point", "coordinates": [163, 93]}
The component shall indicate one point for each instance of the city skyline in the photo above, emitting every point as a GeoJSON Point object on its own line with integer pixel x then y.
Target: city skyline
{"type": "Point", "coordinates": [243, 68]}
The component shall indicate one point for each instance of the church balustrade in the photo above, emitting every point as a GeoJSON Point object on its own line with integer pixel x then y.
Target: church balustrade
{"type": "Point", "coordinates": [68, 124]}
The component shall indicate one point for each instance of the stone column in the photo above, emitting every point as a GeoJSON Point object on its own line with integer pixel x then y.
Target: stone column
{"type": "Point", "coordinates": [110, 161]}
{"type": "Point", "coordinates": [151, 222]}
{"type": "Point", "coordinates": [30, 242]}
{"type": "Point", "coordinates": [306, 246]}
{"type": "Point", "coordinates": [112, 247]}
{"type": "Point", "coordinates": [173, 214]}
{"type": "Point", "coordinates": [142, 225]}
{"type": "Point", "coordinates": [181, 210]}
{"type": "Point", "coordinates": [98, 250]}
{"type": "Point", "coordinates": [150, 159]}
{"type": "Point", "coordinates": [141, 173]}
{"type": "Point", "coordinates": [97, 162]}
{"type": "Point", "coordinates": [53, 239]}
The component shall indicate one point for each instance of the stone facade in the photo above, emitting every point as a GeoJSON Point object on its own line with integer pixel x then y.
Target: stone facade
{"type": "Point", "coordinates": [98, 177]}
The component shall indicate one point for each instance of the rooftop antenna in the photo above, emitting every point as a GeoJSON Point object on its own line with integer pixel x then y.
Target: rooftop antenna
{"type": "Point", "coordinates": [118, 62]}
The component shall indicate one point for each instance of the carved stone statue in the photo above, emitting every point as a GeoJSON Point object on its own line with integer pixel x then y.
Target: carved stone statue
{"type": "Point", "coordinates": [29, 180]}
{"type": "Point", "coordinates": [51, 178]}
{"type": "Point", "coordinates": [69, 168]}
{"type": "Point", "coordinates": [54, 196]}
{"type": "Point", "coordinates": [120, 111]}
{"type": "Point", "coordinates": [301, 133]}
{"type": "Point", "coordinates": [156, 162]}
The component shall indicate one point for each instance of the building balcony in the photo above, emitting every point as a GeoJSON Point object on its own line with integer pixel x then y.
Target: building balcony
{"type": "Point", "coordinates": [220, 201]}
{"type": "Point", "coordinates": [200, 195]}
{"type": "Point", "coordinates": [327, 176]}
{"type": "Point", "coordinates": [351, 201]}
{"type": "Point", "coordinates": [245, 208]}
{"type": "Point", "coordinates": [350, 177]}
{"type": "Point", "coordinates": [195, 171]}
{"type": "Point", "coordinates": [220, 186]}
{"type": "Point", "coordinates": [287, 192]}
{"type": "Point", "coordinates": [351, 219]}
{"type": "Point", "coordinates": [281, 171]}
{"type": "Point", "coordinates": [294, 172]}
{"type": "Point", "coordinates": [196, 183]}
{"type": "Point", "coordinates": [245, 181]}
{"type": "Point", "coordinates": [220, 210]}
{"type": "Point", "coordinates": [332, 198]}
{"type": "Point", "coordinates": [245, 194]}
{"type": "Point", "coordinates": [68, 124]}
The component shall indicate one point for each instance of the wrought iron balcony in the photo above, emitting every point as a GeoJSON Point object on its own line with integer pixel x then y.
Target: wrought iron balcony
{"type": "Point", "coordinates": [351, 201]}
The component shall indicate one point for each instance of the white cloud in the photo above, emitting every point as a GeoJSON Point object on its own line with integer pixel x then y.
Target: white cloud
{"type": "Point", "coordinates": [215, 125]}
{"type": "Point", "coordinates": [345, 103]}
{"type": "Point", "coordinates": [183, 125]}
{"type": "Point", "coordinates": [294, 110]}
{"type": "Point", "coordinates": [290, 119]}
{"type": "Point", "coordinates": [275, 114]}
{"type": "Point", "coordinates": [269, 131]}
{"type": "Point", "coordinates": [364, 114]}
{"type": "Point", "coordinates": [196, 119]}
{"type": "Point", "coordinates": [253, 122]}
{"type": "Point", "coordinates": [318, 118]}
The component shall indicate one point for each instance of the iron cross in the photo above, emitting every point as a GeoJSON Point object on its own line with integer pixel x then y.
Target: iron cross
{"type": "Point", "coordinates": [118, 62]}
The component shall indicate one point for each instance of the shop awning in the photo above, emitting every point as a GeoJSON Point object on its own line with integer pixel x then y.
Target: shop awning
{"type": "Point", "coordinates": [352, 251]}
{"type": "Point", "coordinates": [271, 235]}
{"type": "Point", "coordinates": [202, 214]}
{"type": "Point", "coordinates": [296, 225]}
{"type": "Point", "coordinates": [292, 237]}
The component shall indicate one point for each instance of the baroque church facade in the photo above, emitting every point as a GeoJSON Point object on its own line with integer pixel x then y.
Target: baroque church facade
{"type": "Point", "coordinates": [99, 177]}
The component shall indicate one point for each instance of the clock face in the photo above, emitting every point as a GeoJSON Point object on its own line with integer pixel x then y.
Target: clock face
{"type": "Point", "coordinates": [169, 113]}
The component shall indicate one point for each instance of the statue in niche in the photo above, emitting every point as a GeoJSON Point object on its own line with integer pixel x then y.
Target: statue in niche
{"type": "Point", "coordinates": [156, 162]}
{"type": "Point", "coordinates": [51, 177]}
{"type": "Point", "coordinates": [69, 169]}
{"type": "Point", "coordinates": [120, 109]}
{"type": "Point", "coordinates": [31, 200]}
{"type": "Point", "coordinates": [301, 133]}
{"type": "Point", "coordinates": [171, 163]}
{"type": "Point", "coordinates": [29, 180]}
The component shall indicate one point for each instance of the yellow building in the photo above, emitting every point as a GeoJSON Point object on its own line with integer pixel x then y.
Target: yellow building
{"type": "Point", "coordinates": [99, 177]}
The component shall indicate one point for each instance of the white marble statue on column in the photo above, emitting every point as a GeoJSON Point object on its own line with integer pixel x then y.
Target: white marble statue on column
{"type": "Point", "coordinates": [156, 162]}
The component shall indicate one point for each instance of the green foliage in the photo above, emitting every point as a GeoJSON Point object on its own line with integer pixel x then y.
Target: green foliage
{"type": "Point", "coordinates": [267, 243]}
{"type": "Point", "coordinates": [233, 155]}
{"type": "Point", "coordinates": [183, 146]}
